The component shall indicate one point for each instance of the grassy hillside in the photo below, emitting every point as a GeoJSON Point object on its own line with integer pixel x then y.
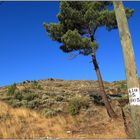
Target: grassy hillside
{"type": "Point", "coordinates": [62, 109]}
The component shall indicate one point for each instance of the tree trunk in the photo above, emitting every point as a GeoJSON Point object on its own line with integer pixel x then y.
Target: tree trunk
{"type": "Point", "coordinates": [130, 67]}
{"type": "Point", "coordinates": [109, 109]}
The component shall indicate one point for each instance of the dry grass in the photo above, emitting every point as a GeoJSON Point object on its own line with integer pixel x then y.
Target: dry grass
{"type": "Point", "coordinates": [24, 123]}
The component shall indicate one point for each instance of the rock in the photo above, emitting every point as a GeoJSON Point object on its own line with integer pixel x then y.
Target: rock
{"type": "Point", "coordinates": [69, 132]}
{"type": "Point", "coordinates": [27, 81]}
{"type": "Point", "coordinates": [51, 79]}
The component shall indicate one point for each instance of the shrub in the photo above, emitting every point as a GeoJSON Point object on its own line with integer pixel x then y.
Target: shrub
{"type": "Point", "coordinates": [59, 98]}
{"type": "Point", "coordinates": [24, 103]}
{"type": "Point", "coordinates": [39, 87]}
{"type": "Point", "coordinates": [29, 96]}
{"type": "Point", "coordinates": [33, 104]}
{"type": "Point", "coordinates": [34, 84]}
{"type": "Point", "coordinates": [44, 96]}
{"type": "Point", "coordinates": [123, 86]}
{"type": "Point", "coordinates": [59, 85]}
{"type": "Point", "coordinates": [118, 89]}
{"type": "Point", "coordinates": [18, 95]}
{"type": "Point", "coordinates": [12, 89]}
{"type": "Point", "coordinates": [48, 102]}
{"type": "Point", "coordinates": [76, 103]}
{"type": "Point", "coordinates": [14, 103]}
{"type": "Point", "coordinates": [6, 98]}
{"type": "Point", "coordinates": [49, 113]}
{"type": "Point", "coordinates": [26, 90]}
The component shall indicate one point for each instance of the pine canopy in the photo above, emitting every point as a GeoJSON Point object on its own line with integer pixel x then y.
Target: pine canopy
{"type": "Point", "coordinates": [78, 22]}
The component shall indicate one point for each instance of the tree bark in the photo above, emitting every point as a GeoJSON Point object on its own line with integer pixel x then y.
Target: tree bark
{"type": "Point", "coordinates": [130, 67]}
{"type": "Point", "coordinates": [109, 109]}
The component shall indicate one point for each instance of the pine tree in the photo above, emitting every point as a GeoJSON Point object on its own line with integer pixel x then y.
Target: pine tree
{"type": "Point", "coordinates": [78, 23]}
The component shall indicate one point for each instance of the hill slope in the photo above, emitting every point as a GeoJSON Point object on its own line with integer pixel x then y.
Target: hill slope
{"type": "Point", "coordinates": [62, 109]}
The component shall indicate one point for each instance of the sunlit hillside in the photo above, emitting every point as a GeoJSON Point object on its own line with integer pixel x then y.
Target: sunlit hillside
{"type": "Point", "coordinates": [47, 108]}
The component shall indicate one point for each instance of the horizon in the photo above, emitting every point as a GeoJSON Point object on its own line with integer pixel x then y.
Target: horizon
{"type": "Point", "coordinates": [45, 79]}
{"type": "Point", "coordinates": [27, 52]}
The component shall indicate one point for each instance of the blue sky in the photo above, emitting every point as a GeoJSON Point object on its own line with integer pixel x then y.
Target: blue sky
{"type": "Point", "coordinates": [27, 53]}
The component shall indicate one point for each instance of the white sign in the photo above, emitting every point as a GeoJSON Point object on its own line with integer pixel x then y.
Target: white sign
{"type": "Point", "coordinates": [134, 96]}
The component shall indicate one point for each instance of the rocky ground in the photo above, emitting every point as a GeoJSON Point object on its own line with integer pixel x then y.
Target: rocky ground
{"type": "Point", "coordinates": [67, 108]}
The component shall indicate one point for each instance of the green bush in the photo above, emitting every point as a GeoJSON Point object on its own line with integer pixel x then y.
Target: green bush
{"type": "Point", "coordinates": [29, 96]}
{"type": "Point", "coordinates": [33, 104]}
{"type": "Point", "coordinates": [118, 89]}
{"type": "Point", "coordinates": [48, 102]}
{"type": "Point", "coordinates": [34, 84]}
{"type": "Point", "coordinates": [39, 87]}
{"type": "Point", "coordinates": [18, 95]}
{"type": "Point", "coordinates": [123, 86]}
{"type": "Point", "coordinates": [12, 89]}
{"type": "Point", "coordinates": [24, 103]}
{"type": "Point", "coordinates": [14, 103]}
{"type": "Point", "coordinates": [76, 103]}
{"type": "Point", "coordinates": [26, 90]}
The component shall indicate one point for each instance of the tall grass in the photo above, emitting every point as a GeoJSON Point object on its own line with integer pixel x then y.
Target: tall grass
{"type": "Point", "coordinates": [25, 123]}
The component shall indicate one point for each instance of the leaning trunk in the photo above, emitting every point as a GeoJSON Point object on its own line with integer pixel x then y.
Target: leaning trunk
{"type": "Point", "coordinates": [109, 109]}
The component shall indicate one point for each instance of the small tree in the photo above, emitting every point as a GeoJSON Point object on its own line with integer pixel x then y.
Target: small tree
{"type": "Point", "coordinates": [78, 23]}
